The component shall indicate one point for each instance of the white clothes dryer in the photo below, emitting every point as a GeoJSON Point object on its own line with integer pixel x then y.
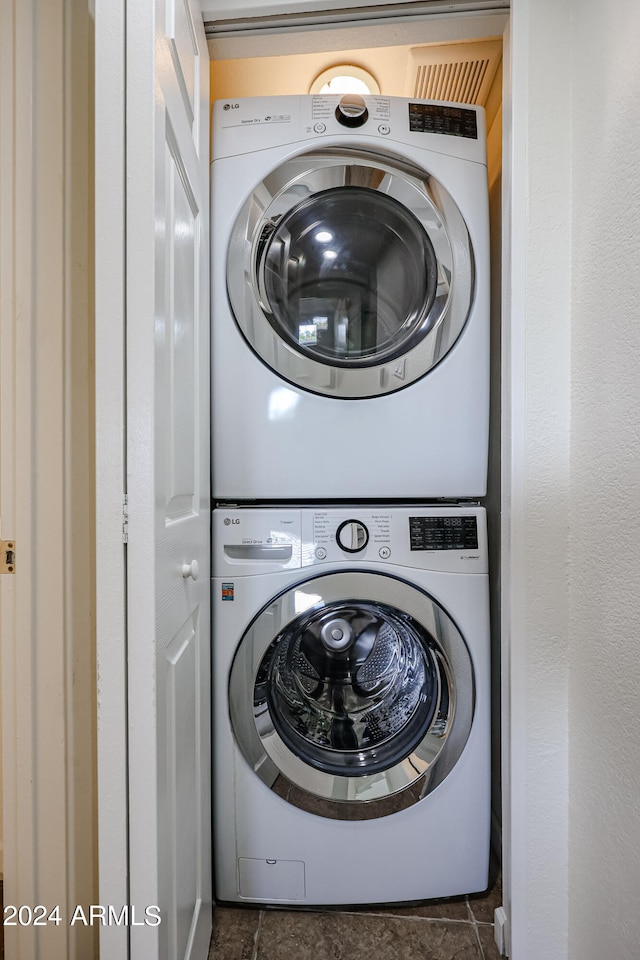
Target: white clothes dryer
{"type": "Point", "coordinates": [351, 704]}
{"type": "Point", "coordinates": [350, 299]}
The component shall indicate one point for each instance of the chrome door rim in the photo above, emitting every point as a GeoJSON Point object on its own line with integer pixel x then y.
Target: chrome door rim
{"type": "Point", "coordinates": [312, 173]}
{"type": "Point", "coordinates": [385, 791]}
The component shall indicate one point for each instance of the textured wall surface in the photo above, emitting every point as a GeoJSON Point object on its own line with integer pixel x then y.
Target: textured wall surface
{"type": "Point", "coordinates": [571, 443]}
{"type": "Point", "coordinates": [604, 701]}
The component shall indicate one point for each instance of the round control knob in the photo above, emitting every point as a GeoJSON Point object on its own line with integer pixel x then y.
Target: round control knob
{"type": "Point", "coordinates": [352, 111]}
{"type": "Point", "coordinates": [352, 536]}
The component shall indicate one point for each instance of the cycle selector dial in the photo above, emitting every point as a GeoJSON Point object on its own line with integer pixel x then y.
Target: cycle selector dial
{"type": "Point", "coordinates": [352, 111]}
{"type": "Point", "coordinates": [352, 536]}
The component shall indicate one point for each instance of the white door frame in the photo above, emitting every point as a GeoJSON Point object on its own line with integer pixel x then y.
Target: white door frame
{"type": "Point", "coordinates": [536, 431]}
{"type": "Point", "coordinates": [110, 223]}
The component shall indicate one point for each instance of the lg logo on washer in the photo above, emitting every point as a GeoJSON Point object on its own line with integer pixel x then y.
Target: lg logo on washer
{"type": "Point", "coordinates": [231, 106]}
{"type": "Point", "coordinates": [229, 520]}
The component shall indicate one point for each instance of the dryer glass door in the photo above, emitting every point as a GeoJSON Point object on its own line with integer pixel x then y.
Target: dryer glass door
{"type": "Point", "coordinates": [349, 276]}
{"type": "Point", "coordinates": [362, 695]}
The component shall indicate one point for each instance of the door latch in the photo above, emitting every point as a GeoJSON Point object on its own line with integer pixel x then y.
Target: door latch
{"type": "Point", "coordinates": [7, 556]}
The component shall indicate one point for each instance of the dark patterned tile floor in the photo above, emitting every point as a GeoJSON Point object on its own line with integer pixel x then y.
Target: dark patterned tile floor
{"type": "Point", "coordinates": [460, 929]}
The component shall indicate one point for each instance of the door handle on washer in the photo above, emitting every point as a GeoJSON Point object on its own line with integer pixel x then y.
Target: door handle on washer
{"type": "Point", "coordinates": [191, 570]}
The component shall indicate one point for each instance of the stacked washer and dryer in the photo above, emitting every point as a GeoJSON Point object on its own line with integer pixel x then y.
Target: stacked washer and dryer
{"type": "Point", "coordinates": [350, 369]}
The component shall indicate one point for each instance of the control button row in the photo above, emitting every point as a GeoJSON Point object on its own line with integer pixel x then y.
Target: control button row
{"type": "Point", "coordinates": [384, 553]}
{"type": "Point", "coordinates": [383, 128]}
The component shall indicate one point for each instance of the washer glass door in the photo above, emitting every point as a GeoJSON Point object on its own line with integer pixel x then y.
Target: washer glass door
{"type": "Point", "coordinates": [348, 275]}
{"type": "Point", "coordinates": [363, 696]}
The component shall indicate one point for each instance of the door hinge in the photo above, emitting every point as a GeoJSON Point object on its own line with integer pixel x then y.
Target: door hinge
{"type": "Point", "coordinates": [125, 518]}
{"type": "Point", "coordinates": [7, 556]}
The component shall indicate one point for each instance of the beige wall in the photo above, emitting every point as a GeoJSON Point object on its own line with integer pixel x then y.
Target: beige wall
{"type": "Point", "coordinates": [47, 473]}
{"type": "Point", "coordinates": [391, 66]}
{"type": "Point", "coordinates": [272, 76]}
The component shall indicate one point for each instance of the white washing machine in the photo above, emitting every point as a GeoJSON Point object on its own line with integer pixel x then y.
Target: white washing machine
{"type": "Point", "coordinates": [350, 299]}
{"type": "Point", "coordinates": [351, 704]}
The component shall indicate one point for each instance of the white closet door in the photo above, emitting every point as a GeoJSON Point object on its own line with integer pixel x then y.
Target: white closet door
{"type": "Point", "coordinates": [167, 307]}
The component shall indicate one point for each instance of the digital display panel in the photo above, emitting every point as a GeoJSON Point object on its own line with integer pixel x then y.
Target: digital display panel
{"type": "Point", "coordinates": [449, 121]}
{"type": "Point", "coordinates": [443, 533]}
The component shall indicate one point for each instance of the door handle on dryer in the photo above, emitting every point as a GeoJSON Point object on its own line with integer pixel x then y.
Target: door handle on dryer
{"type": "Point", "coordinates": [191, 570]}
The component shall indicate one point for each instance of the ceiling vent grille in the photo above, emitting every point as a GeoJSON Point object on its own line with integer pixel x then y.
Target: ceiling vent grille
{"type": "Point", "coordinates": [461, 82]}
{"type": "Point", "coordinates": [459, 73]}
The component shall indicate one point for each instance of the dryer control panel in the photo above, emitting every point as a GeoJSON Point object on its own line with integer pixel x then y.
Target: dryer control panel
{"type": "Point", "coordinates": [254, 124]}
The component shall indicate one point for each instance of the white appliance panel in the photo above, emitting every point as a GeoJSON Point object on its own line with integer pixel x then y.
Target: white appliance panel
{"type": "Point", "coordinates": [267, 848]}
{"type": "Point", "coordinates": [292, 434]}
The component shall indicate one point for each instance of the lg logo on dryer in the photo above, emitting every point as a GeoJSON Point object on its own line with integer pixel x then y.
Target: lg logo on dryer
{"type": "Point", "coordinates": [231, 106]}
{"type": "Point", "coordinates": [229, 520]}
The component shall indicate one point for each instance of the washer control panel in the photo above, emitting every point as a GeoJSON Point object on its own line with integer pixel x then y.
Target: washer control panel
{"type": "Point", "coordinates": [338, 536]}
{"type": "Point", "coordinates": [443, 533]}
{"type": "Point", "coordinates": [448, 538]}
{"type": "Point", "coordinates": [444, 538]}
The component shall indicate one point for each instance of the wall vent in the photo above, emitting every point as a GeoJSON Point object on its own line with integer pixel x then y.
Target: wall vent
{"type": "Point", "coordinates": [461, 72]}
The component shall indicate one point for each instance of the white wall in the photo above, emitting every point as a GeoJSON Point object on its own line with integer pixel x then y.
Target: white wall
{"type": "Point", "coordinates": [604, 690]}
{"type": "Point", "coordinates": [572, 430]}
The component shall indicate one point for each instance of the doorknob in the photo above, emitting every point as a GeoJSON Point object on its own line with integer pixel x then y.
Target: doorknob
{"type": "Point", "coordinates": [191, 570]}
